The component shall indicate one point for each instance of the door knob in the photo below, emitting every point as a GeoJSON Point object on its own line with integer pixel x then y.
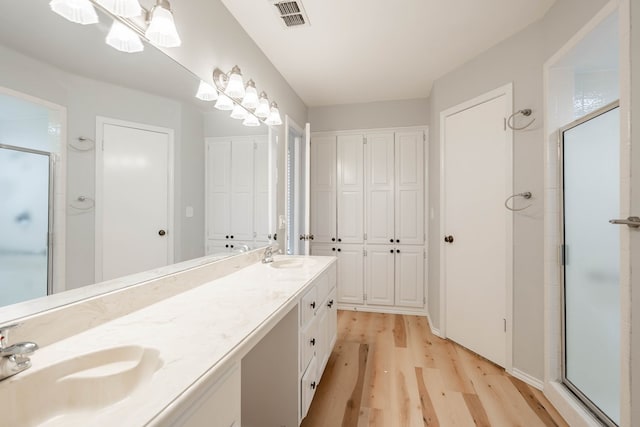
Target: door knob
{"type": "Point", "coordinates": [302, 237]}
{"type": "Point", "coordinates": [162, 232]}
{"type": "Point", "coordinates": [310, 236]}
{"type": "Point", "coordinates": [448, 239]}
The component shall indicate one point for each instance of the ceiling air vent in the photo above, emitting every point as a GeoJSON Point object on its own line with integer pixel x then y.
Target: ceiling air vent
{"type": "Point", "coordinates": [292, 13]}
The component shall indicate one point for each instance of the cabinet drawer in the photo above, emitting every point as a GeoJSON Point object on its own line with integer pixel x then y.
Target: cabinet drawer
{"type": "Point", "coordinates": [309, 342]}
{"type": "Point", "coordinates": [308, 305]}
{"type": "Point", "coordinates": [322, 286]}
{"type": "Point", "coordinates": [308, 385]}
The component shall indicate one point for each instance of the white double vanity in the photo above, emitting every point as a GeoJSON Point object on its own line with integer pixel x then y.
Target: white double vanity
{"type": "Point", "coordinates": [234, 342]}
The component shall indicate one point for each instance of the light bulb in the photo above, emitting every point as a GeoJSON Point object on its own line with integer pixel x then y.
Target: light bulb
{"type": "Point", "coordinates": [239, 113]}
{"type": "Point", "coordinates": [250, 99]}
{"type": "Point", "coordinates": [124, 8]}
{"type": "Point", "coordinates": [206, 92]}
{"type": "Point", "coordinates": [224, 103]}
{"type": "Point", "coordinates": [235, 85]}
{"type": "Point", "coordinates": [251, 121]}
{"type": "Point", "coordinates": [274, 116]}
{"type": "Point", "coordinates": [162, 30]}
{"type": "Point", "coordinates": [263, 110]}
{"type": "Point", "coordinates": [78, 11]}
{"type": "Point", "coordinates": [124, 39]}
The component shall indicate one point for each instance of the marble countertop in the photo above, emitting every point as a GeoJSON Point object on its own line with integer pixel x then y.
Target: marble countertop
{"type": "Point", "coordinates": [196, 333]}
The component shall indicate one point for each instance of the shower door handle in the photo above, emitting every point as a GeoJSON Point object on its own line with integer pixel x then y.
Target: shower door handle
{"type": "Point", "coordinates": [632, 221]}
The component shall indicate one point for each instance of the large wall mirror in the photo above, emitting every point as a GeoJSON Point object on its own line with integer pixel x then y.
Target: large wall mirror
{"type": "Point", "coordinates": [109, 166]}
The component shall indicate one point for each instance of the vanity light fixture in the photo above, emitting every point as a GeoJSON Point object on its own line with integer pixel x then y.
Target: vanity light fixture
{"type": "Point", "coordinates": [250, 100]}
{"type": "Point", "coordinates": [224, 103]}
{"type": "Point", "coordinates": [239, 112]}
{"type": "Point", "coordinates": [274, 118]}
{"type": "Point", "coordinates": [235, 85]}
{"type": "Point", "coordinates": [251, 121]}
{"type": "Point", "coordinates": [162, 29]}
{"type": "Point", "coordinates": [124, 8]}
{"type": "Point", "coordinates": [123, 38]}
{"type": "Point", "coordinates": [206, 92]}
{"type": "Point", "coordinates": [78, 11]}
{"type": "Point", "coordinates": [263, 110]}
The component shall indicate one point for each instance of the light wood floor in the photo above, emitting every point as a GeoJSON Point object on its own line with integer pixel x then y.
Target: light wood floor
{"type": "Point", "coordinates": [389, 370]}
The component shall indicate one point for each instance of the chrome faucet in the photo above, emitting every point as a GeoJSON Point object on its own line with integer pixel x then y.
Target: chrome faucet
{"type": "Point", "coordinates": [267, 256]}
{"type": "Point", "coordinates": [14, 358]}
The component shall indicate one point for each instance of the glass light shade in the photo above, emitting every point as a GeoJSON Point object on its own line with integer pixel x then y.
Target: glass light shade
{"type": "Point", "coordinates": [274, 116]}
{"type": "Point", "coordinates": [124, 39]}
{"type": "Point", "coordinates": [250, 99]}
{"type": "Point", "coordinates": [124, 8]}
{"type": "Point", "coordinates": [251, 121]}
{"type": "Point", "coordinates": [263, 110]}
{"type": "Point", "coordinates": [224, 103]}
{"type": "Point", "coordinates": [235, 85]}
{"type": "Point", "coordinates": [239, 113]}
{"type": "Point", "coordinates": [162, 30]}
{"type": "Point", "coordinates": [206, 92]}
{"type": "Point", "coordinates": [78, 11]}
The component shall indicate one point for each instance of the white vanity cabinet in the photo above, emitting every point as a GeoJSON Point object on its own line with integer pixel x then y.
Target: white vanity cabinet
{"type": "Point", "coordinates": [318, 332]}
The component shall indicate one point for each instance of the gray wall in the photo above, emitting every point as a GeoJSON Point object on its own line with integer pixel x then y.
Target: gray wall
{"type": "Point", "coordinates": [411, 112]}
{"type": "Point", "coordinates": [519, 60]}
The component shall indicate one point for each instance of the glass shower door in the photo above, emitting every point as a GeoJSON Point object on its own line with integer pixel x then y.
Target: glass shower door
{"type": "Point", "coordinates": [25, 183]}
{"type": "Point", "coordinates": [591, 254]}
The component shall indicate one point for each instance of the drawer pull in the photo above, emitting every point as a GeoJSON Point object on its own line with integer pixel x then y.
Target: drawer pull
{"type": "Point", "coordinates": [313, 385]}
{"type": "Point", "coordinates": [313, 341]}
{"type": "Point", "coordinates": [330, 303]}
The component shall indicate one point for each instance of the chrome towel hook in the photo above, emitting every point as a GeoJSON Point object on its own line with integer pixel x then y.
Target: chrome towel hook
{"type": "Point", "coordinates": [526, 195]}
{"type": "Point", "coordinates": [526, 112]}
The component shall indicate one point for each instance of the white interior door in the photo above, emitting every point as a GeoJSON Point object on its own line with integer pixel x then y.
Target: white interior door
{"type": "Point", "coordinates": [477, 266]}
{"type": "Point", "coordinates": [133, 199]}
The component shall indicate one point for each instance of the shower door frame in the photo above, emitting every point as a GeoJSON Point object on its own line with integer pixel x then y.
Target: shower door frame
{"type": "Point", "coordinates": [563, 355]}
{"type": "Point", "coordinates": [50, 222]}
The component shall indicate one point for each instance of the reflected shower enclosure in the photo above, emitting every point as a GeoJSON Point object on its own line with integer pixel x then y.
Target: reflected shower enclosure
{"type": "Point", "coordinates": [25, 220]}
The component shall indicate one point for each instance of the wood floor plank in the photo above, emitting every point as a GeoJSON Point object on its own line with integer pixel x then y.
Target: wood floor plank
{"type": "Point", "coordinates": [390, 371]}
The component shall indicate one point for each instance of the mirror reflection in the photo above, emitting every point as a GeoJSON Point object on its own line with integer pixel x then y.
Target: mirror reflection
{"type": "Point", "coordinates": [108, 163]}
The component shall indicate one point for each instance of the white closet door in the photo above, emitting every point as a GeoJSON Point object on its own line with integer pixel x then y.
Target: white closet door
{"type": "Point", "coordinates": [350, 274]}
{"type": "Point", "coordinates": [350, 188]}
{"type": "Point", "coordinates": [261, 190]}
{"type": "Point", "coordinates": [218, 188]}
{"type": "Point", "coordinates": [379, 170]}
{"type": "Point", "coordinates": [323, 189]}
{"type": "Point", "coordinates": [242, 189]}
{"type": "Point", "coordinates": [409, 199]}
{"type": "Point", "coordinates": [410, 276]}
{"type": "Point", "coordinates": [380, 276]}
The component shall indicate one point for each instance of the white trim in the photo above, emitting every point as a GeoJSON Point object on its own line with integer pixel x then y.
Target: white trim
{"type": "Point", "coordinates": [289, 124]}
{"type": "Point", "coordinates": [59, 207]}
{"type": "Point", "coordinates": [523, 376]}
{"type": "Point", "coordinates": [100, 123]}
{"type": "Point", "coordinates": [273, 182]}
{"type": "Point", "coordinates": [424, 127]}
{"type": "Point", "coordinates": [382, 309]}
{"type": "Point", "coordinates": [507, 91]}
{"type": "Point", "coordinates": [435, 331]}
{"type": "Point", "coordinates": [571, 409]}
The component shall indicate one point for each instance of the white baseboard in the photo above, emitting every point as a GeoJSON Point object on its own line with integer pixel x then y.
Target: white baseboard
{"type": "Point", "coordinates": [388, 310]}
{"type": "Point", "coordinates": [435, 331]}
{"type": "Point", "coordinates": [531, 380]}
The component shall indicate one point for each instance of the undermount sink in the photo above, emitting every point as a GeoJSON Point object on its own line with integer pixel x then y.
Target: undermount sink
{"type": "Point", "coordinates": [290, 263]}
{"type": "Point", "coordinates": [71, 391]}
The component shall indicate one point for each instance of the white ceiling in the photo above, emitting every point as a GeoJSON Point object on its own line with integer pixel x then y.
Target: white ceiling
{"type": "Point", "coordinates": [372, 50]}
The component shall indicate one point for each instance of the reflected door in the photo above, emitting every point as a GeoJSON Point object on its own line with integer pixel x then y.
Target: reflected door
{"type": "Point", "coordinates": [298, 160]}
{"type": "Point", "coordinates": [591, 197]}
{"type": "Point", "coordinates": [25, 218]}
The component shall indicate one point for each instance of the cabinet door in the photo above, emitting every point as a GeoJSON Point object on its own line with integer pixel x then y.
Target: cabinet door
{"type": "Point", "coordinates": [218, 188]}
{"type": "Point", "coordinates": [218, 247]}
{"type": "Point", "coordinates": [410, 276]}
{"type": "Point", "coordinates": [308, 385]}
{"type": "Point", "coordinates": [323, 189]}
{"type": "Point", "coordinates": [350, 189]}
{"type": "Point", "coordinates": [323, 250]}
{"type": "Point", "coordinates": [261, 190]}
{"type": "Point", "coordinates": [409, 198]}
{"type": "Point", "coordinates": [379, 276]}
{"type": "Point", "coordinates": [242, 188]}
{"type": "Point", "coordinates": [350, 282]}
{"type": "Point", "coordinates": [379, 184]}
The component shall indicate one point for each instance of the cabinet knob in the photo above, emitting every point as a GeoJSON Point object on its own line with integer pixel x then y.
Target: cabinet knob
{"type": "Point", "coordinates": [339, 240]}
{"type": "Point", "coordinates": [302, 237]}
{"type": "Point", "coordinates": [398, 251]}
{"type": "Point", "coordinates": [226, 246]}
{"type": "Point", "coordinates": [313, 385]}
{"type": "Point", "coordinates": [330, 303]}
{"type": "Point", "coordinates": [226, 237]}
{"type": "Point", "coordinates": [391, 251]}
{"type": "Point", "coordinates": [162, 232]}
{"type": "Point", "coordinates": [313, 341]}
{"type": "Point", "coordinates": [397, 240]}
{"type": "Point", "coordinates": [232, 237]}
{"type": "Point", "coordinates": [333, 249]}
{"type": "Point", "coordinates": [313, 304]}
{"type": "Point", "coordinates": [339, 250]}
{"type": "Point", "coordinates": [390, 240]}
{"type": "Point", "coordinates": [333, 239]}
{"type": "Point", "coordinates": [448, 239]}
{"type": "Point", "coordinates": [311, 237]}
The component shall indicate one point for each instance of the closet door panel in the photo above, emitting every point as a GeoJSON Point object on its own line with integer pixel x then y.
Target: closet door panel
{"type": "Point", "coordinates": [242, 189]}
{"type": "Point", "coordinates": [218, 188]}
{"type": "Point", "coordinates": [409, 276]}
{"type": "Point", "coordinates": [350, 283]}
{"type": "Point", "coordinates": [379, 182]}
{"type": "Point", "coordinates": [261, 190]}
{"type": "Point", "coordinates": [323, 189]}
{"type": "Point", "coordinates": [350, 189]}
{"type": "Point", "coordinates": [409, 188]}
{"type": "Point", "coordinates": [380, 276]}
